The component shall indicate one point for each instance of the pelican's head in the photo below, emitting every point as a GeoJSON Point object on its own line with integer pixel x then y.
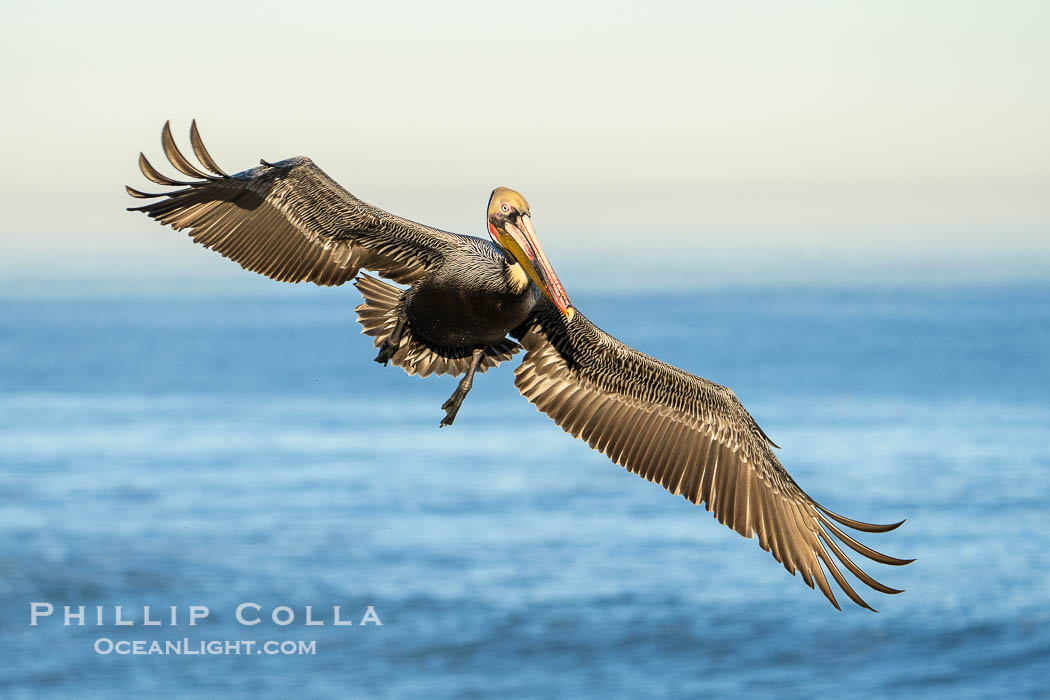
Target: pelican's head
{"type": "Point", "coordinates": [510, 226]}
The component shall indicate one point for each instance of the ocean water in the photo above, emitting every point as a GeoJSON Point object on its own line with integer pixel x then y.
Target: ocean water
{"type": "Point", "coordinates": [216, 451]}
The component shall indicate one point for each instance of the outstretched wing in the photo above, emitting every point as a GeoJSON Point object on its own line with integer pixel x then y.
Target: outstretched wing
{"type": "Point", "coordinates": [289, 220]}
{"type": "Point", "coordinates": [691, 436]}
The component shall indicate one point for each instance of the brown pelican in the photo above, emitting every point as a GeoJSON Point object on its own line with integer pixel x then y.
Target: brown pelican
{"type": "Point", "coordinates": [289, 221]}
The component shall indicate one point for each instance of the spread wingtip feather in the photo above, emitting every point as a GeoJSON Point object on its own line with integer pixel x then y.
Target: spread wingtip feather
{"type": "Point", "coordinates": [202, 153]}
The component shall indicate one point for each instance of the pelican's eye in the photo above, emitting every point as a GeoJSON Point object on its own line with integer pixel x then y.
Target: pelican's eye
{"type": "Point", "coordinates": [504, 207]}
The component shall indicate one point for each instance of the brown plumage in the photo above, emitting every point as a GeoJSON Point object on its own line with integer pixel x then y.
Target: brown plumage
{"type": "Point", "coordinates": [293, 223]}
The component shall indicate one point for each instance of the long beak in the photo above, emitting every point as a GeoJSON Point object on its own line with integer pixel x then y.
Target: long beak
{"type": "Point", "coordinates": [526, 249]}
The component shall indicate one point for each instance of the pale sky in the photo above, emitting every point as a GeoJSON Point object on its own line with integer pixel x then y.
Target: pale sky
{"type": "Point", "coordinates": [686, 143]}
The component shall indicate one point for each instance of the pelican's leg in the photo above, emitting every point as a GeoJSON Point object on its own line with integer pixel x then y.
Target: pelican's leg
{"type": "Point", "coordinates": [392, 342]}
{"type": "Point", "coordinates": [456, 400]}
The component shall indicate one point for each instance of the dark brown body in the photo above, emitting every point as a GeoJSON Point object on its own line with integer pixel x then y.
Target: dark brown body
{"type": "Point", "coordinates": [470, 301]}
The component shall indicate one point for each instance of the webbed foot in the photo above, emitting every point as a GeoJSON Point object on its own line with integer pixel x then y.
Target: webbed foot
{"type": "Point", "coordinates": [386, 352]}
{"type": "Point", "coordinates": [462, 389]}
{"type": "Point", "coordinates": [451, 407]}
{"type": "Point", "coordinates": [391, 343]}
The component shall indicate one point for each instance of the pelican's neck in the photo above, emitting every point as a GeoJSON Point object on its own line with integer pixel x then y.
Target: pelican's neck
{"type": "Point", "coordinates": [516, 277]}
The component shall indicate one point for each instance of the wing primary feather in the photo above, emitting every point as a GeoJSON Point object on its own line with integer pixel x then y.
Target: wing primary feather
{"type": "Point", "coordinates": [142, 195]}
{"type": "Point", "coordinates": [785, 537]}
{"type": "Point", "coordinates": [175, 155]}
{"type": "Point", "coordinates": [726, 493]}
{"type": "Point", "coordinates": [810, 535]}
{"type": "Point", "coordinates": [202, 153]}
{"type": "Point", "coordinates": [767, 538]}
{"type": "Point", "coordinates": [156, 176]}
{"type": "Point", "coordinates": [743, 501]}
{"type": "Point", "coordinates": [825, 588]}
{"type": "Point", "coordinates": [810, 550]}
{"type": "Point", "coordinates": [857, 524]}
{"type": "Point", "coordinates": [841, 580]}
{"type": "Point", "coordinates": [862, 549]}
{"type": "Point", "coordinates": [856, 570]}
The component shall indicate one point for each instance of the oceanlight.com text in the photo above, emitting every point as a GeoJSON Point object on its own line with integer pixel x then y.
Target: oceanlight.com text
{"type": "Point", "coordinates": [214, 647]}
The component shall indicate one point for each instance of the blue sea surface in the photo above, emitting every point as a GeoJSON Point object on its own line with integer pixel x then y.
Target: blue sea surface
{"type": "Point", "coordinates": [216, 451]}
